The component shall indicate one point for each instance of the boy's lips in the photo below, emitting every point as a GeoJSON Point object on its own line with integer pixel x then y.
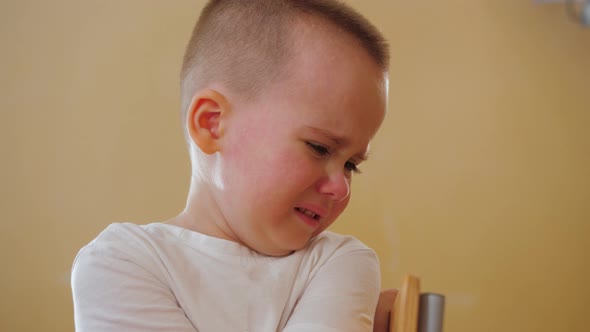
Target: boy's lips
{"type": "Point", "coordinates": [311, 214]}
{"type": "Point", "coordinates": [308, 213]}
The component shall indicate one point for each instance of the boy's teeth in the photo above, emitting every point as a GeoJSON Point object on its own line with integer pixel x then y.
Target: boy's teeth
{"type": "Point", "coordinates": [307, 212]}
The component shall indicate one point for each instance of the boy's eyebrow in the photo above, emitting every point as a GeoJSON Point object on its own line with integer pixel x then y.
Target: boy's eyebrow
{"type": "Point", "coordinates": [338, 140]}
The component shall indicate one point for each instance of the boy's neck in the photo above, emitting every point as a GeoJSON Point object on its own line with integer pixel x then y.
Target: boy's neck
{"type": "Point", "coordinates": [202, 213]}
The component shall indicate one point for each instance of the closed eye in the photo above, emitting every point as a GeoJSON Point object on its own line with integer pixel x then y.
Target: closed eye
{"type": "Point", "coordinates": [320, 150]}
{"type": "Point", "coordinates": [351, 167]}
{"type": "Point", "coordinates": [323, 151]}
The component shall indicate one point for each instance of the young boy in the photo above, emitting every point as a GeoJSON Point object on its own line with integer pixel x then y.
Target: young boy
{"type": "Point", "coordinates": [280, 99]}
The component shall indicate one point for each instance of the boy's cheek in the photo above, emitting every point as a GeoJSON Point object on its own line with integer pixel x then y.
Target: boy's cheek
{"type": "Point", "coordinates": [337, 210]}
{"type": "Point", "coordinates": [339, 207]}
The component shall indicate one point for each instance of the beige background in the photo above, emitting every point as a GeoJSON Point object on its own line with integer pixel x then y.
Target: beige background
{"type": "Point", "coordinates": [479, 180]}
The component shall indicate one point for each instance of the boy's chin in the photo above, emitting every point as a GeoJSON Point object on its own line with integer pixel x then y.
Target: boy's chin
{"type": "Point", "coordinates": [278, 253]}
{"type": "Point", "coordinates": [283, 251]}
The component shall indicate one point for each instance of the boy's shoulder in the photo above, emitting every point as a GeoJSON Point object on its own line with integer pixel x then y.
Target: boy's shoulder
{"type": "Point", "coordinates": [328, 240]}
{"type": "Point", "coordinates": [118, 230]}
{"type": "Point", "coordinates": [126, 233]}
{"type": "Point", "coordinates": [136, 242]}
{"type": "Point", "coordinates": [118, 239]}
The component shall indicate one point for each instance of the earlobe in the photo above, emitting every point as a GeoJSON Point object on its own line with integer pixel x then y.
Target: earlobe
{"type": "Point", "coordinates": [204, 120]}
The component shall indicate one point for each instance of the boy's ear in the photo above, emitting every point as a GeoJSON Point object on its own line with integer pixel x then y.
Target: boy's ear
{"type": "Point", "coordinates": [204, 116]}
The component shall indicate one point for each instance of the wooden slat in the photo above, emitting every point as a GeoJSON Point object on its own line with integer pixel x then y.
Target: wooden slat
{"type": "Point", "coordinates": [404, 315]}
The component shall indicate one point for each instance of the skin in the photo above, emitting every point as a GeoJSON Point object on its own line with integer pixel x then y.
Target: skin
{"type": "Point", "coordinates": [382, 320]}
{"type": "Point", "coordinates": [296, 145]}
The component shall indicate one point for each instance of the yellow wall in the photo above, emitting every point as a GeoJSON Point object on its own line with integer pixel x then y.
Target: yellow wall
{"type": "Point", "coordinates": [479, 180]}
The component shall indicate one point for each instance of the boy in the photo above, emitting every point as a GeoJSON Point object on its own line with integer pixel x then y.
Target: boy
{"type": "Point", "coordinates": [280, 99]}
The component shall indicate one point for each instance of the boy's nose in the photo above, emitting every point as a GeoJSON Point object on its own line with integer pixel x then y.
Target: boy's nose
{"type": "Point", "coordinates": [336, 185]}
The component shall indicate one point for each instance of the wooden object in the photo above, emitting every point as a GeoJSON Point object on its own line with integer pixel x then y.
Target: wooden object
{"type": "Point", "coordinates": [404, 316]}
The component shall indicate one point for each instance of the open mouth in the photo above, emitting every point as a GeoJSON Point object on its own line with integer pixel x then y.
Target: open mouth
{"type": "Point", "coordinates": [308, 213]}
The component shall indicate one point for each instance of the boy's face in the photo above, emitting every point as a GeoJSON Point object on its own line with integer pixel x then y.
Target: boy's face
{"type": "Point", "coordinates": [287, 159]}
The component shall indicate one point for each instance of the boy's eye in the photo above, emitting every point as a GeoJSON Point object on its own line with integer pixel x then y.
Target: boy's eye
{"type": "Point", "coordinates": [321, 150]}
{"type": "Point", "coordinates": [351, 167]}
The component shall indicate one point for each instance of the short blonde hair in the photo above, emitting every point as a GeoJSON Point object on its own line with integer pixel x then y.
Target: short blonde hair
{"type": "Point", "coordinates": [245, 44]}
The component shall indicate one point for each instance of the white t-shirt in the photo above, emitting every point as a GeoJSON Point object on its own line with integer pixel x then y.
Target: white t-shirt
{"type": "Point", "coordinates": [160, 277]}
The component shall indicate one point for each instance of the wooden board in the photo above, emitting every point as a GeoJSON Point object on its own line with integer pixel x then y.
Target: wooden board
{"type": "Point", "coordinates": [404, 316]}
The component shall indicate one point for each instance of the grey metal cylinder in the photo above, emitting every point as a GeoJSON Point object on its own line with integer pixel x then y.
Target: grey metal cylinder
{"type": "Point", "coordinates": [431, 312]}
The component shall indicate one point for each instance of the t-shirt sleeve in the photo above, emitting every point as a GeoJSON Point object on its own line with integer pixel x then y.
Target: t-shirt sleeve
{"type": "Point", "coordinates": [113, 290]}
{"type": "Point", "coordinates": [341, 296]}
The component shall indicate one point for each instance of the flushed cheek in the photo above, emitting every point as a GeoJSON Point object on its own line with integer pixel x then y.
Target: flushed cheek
{"type": "Point", "coordinates": [274, 180]}
{"type": "Point", "coordinates": [288, 168]}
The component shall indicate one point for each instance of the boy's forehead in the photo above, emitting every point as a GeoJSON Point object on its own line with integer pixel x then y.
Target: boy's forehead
{"type": "Point", "coordinates": [314, 38]}
{"type": "Point", "coordinates": [309, 30]}
{"type": "Point", "coordinates": [337, 74]}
